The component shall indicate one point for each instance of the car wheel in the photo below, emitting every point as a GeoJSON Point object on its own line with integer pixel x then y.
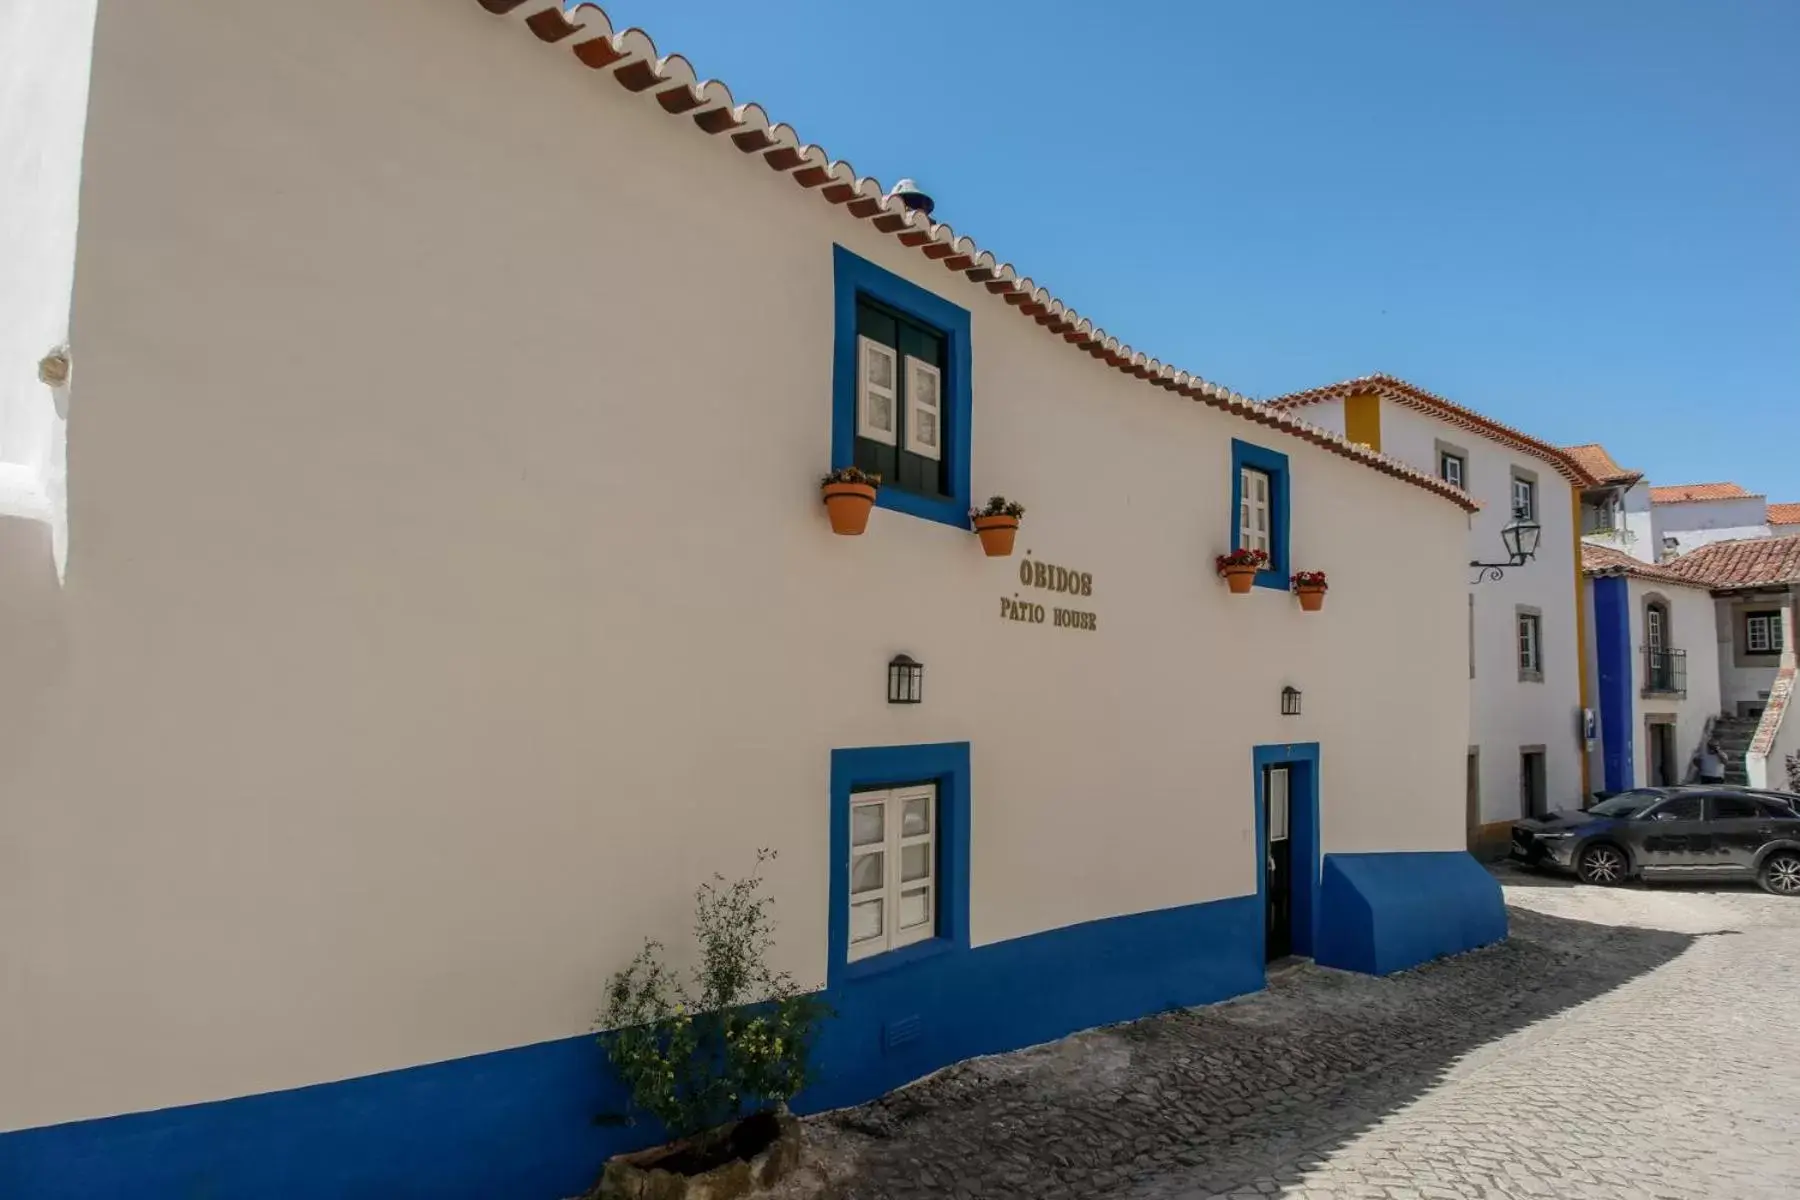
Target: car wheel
{"type": "Point", "coordinates": [1780, 874]}
{"type": "Point", "coordinates": [1601, 865]}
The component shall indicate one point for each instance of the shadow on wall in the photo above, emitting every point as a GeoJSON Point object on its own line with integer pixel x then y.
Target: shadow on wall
{"type": "Point", "coordinates": [32, 636]}
{"type": "Point", "coordinates": [1212, 1098]}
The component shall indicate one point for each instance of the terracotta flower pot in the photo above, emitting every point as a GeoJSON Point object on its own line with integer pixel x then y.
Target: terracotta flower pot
{"type": "Point", "coordinates": [848, 505]}
{"type": "Point", "coordinates": [997, 534]}
{"type": "Point", "coordinates": [1311, 599]}
{"type": "Point", "coordinates": [1240, 579]}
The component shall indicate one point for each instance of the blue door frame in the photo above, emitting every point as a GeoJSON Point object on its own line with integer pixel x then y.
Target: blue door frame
{"type": "Point", "coordinates": [1302, 761]}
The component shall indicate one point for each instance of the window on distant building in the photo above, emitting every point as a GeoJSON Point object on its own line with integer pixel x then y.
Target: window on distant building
{"type": "Point", "coordinates": [1531, 644]}
{"type": "Point", "coordinates": [893, 868]}
{"type": "Point", "coordinates": [1260, 491]}
{"type": "Point", "coordinates": [901, 391]}
{"type": "Point", "coordinates": [1524, 494]}
{"type": "Point", "coordinates": [1762, 633]}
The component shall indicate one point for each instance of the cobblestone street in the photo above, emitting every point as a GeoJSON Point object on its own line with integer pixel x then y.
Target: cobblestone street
{"type": "Point", "coordinates": [1639, 1042]}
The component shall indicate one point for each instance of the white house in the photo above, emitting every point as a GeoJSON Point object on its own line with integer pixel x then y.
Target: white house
{"type": "Point", "coordinates": [1653, 669]}
{"type": "Point", "coordinates": [1754, 584]}
{"type": "Point", "coordinates": [442, 591]}
{"type": "Point", "coordinates": [1527, 743]}
{"type": "Point", "coordinates": [1784, 520]}
{"type": "Point", "coordinates": [1616, 512]}
{"type": "Point", "coordinates": [1690, 515]}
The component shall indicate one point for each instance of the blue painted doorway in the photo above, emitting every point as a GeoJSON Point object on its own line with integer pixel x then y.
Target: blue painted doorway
{"type": "Point", "coordinates": [1285, 792]}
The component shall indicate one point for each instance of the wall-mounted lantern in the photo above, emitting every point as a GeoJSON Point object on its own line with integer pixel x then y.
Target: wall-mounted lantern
{"type": "Point", "coordinates": [906, 680]}
{"type": "Point", "coordinates": [1520, 537]}
{"type": "Point", "coordinates": [1290, 701]}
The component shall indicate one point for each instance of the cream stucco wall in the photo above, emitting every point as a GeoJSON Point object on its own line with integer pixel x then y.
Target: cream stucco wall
{"type": "Point", "coordinates": [1506, 713]}
{"type": "Point", "coordinates": [452, 592]}
{"type": "Point", "coordinates": [1745, 678]}
{"type": "Point", "coordinates": [1699, 523]}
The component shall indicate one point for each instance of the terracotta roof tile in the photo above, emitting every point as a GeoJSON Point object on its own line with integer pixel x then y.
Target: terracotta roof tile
{"type": "Point", "coordinates": [1401, 392]}
{"type": "Point", "coordinates": [1604, 560]}
{"type": "Point", "coordinates": [1687, 493]}
{"type": "Point", "coordinates": [1750, 562]}
{"type": "Point", "coordinates": [1784, 514]}
{"type": "Point", "coordinates": [633, 61]}
{"type": "Point", "coordinates": [1597, 462]}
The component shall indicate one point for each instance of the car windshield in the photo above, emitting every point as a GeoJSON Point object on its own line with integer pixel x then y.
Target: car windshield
{"type": "Point", "coordinates": [1625, 804]}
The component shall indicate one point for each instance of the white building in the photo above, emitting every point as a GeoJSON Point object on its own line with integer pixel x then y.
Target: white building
{"type": "Point", "coordinates": [1616, 512]}
{"type": "Point", "coordinates": [1691, 515]}
{"type": "Point", "coordinates": [1784, 520]}
{"type": "Point", "coordinates": [1653, 669]}
{"type": "Point", "coordinates": [1526, 751]}
{"type": "Point", "coordinates": [447, 592]}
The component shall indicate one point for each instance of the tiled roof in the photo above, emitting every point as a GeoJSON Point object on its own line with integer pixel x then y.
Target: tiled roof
{"type": "Point", "coordinates": [1597, 462]}
{"type": "Point", "coordinates": [1603, 560]}
{"type": "Point", "coordinates": [1686, 493]}
{"type": "Point", "coordinates": [1402, 392]}
{"type": "Point", "coordinates": [1784, 514]}
{"type": "Point", "coordinates": [632, 60]}
{"type": "Point", "coordinates": [1751, 562]}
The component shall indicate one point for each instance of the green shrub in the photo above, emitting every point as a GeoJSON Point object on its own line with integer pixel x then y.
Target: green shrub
{"type": "Point", "coordinates": [696, 1052]}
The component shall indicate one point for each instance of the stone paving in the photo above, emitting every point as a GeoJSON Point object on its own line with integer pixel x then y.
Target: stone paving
{"type": "Point", "coordinates": [1636, 1042]}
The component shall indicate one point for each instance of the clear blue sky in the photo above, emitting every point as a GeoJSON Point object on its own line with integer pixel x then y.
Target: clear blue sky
{"type": "Point", "coordinates": [1578, 216]}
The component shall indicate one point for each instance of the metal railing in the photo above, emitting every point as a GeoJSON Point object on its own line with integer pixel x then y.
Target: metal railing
{"type": "Point", "coordinates": [1665, 671]}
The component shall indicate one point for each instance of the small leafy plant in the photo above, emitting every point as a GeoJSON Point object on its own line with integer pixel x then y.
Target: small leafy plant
{"type": "Point", "coordinates": [998, 506]}
{"type": "Point", "coordinates": [735, 1034]}
{"type": "Point", "coordinates": [1308, 581]}
{"type": "Point", "coordinates": [1242, 558]}
{"type": "Point", "coordinates": [1793, 770]}
{"type": "Point", "coordinates": [850, 475]}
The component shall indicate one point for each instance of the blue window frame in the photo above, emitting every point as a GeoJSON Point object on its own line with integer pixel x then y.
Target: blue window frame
{"type": "Point", "coordinates": [856, 278]}
{"type": "Point", "coordinates": [1275, 466]}
{"type": "Point", "coordinates": [853, 770]}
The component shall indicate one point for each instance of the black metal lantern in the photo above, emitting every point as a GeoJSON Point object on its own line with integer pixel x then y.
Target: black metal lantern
{"type": "Point", "coordinates": [1520, 537]}
{"type": "Point", "coordinates": [906, 680]}
{"type": "Point", "coordinates": [1290, 701]}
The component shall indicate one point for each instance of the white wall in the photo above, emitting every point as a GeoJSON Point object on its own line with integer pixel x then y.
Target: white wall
{"type": "Point", "coordinates": [1506, 713]}
{"type": "Point", "coordinates": [44, 57]}
{"type": "Point", "coordinates": [1691, 628]}
{"type": "Point", "coordinates": [453, 592]}
{"type": "Point", "coordinates": [1745, 678]}
{"type": "Point", "coordinates": [1702, 522]}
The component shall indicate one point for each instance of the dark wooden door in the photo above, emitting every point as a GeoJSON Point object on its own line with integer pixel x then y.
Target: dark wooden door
{"type": "Point", "coordinates": [1278, 880]}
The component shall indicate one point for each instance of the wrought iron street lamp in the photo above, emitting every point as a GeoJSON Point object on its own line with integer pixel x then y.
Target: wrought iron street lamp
{"type": "Point", "coordinates": [1290, 701]}
{"type": "Point", "coordinates": [1520, 537]}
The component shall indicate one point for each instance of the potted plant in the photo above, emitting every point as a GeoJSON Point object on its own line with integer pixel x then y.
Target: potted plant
{"type": "Point", "coordinates": [1239, 568]}
{"type": "Point", "coordinates": [1310, 586]}
{"type": "Point", "coordinates": [849, 494]}
{"type": "Point", "coordinates": [712, 1057]}
{"type": "Point", "coordinates": [996, 523]}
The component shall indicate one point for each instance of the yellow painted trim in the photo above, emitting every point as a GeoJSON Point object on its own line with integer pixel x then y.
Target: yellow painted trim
{"type": "Point", "coordinates": [1362, 419]}
{"type": "Point", "coordinates": [1581, 650]}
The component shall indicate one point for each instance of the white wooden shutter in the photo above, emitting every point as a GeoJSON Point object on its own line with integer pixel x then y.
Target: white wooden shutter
{"type": "Point", "coordinates": [924, 409]}
{"type": "Point", "coordinates": [869, 866]}
{"type": "Point", "coordinates": [1253, 510]}
{"type": "Point", "coordinates": [914, 821]}
{"type": "Point", "coordinates": [877, 404]}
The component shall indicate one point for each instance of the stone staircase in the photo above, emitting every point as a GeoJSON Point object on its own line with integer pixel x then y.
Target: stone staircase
{"type": "Point", "coordinates": [1734, 735]}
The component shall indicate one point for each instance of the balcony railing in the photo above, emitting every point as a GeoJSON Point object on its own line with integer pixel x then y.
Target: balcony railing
{"type": "Point", "coordinates": [1665, 672]}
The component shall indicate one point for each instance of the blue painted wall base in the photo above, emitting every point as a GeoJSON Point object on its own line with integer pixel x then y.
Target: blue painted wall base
{"type": "Point", "coordinates": [519, 1123]}
{"type": "Point", "coordinates": [1381, 913]}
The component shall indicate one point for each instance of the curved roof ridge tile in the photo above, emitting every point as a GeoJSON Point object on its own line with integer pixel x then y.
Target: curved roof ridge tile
{"type": "Point", "coordinates": [631, 57]}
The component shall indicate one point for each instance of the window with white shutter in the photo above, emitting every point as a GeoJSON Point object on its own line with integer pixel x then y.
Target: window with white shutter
{"type": "Point", "coordinates": [902, 423]}
{"type": "Point", "coordinates": [893, 869]}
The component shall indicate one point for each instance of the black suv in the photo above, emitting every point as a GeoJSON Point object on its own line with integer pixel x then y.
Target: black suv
{"type": "Point", "coordinates": [1672, 833]}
